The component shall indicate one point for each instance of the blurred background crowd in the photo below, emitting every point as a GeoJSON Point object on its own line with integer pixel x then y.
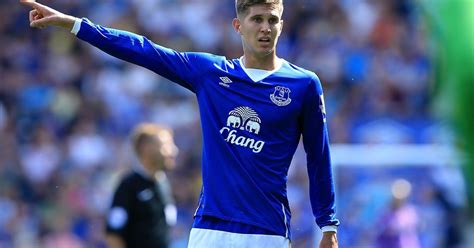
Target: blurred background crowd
{"type": "Point", "coordinates": [66, 110]}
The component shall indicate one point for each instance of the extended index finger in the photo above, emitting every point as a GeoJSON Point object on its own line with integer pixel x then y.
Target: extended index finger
{"type": "Point", "coordinates": [32, 4]}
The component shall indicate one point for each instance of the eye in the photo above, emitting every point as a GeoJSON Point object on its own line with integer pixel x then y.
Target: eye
{"type": "Point", "coordinates": [258, 19]}
{"type": "Point", "coordinates": [273, 20]}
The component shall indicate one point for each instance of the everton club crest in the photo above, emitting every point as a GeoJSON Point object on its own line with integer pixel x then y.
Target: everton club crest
{"type": "Point", "coordinates": [281, 96]}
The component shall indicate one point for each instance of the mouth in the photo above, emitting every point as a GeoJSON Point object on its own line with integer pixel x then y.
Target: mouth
{"type": "Point", "coordinates": [264, 40]}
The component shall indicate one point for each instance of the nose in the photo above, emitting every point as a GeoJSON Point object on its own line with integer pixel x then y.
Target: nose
{"type": "Point", "coordinates": [169, 151]}
{"type": "Point", "coordinates": [266, 28]}
{"type": "Point", "coordinates": [175, 151]}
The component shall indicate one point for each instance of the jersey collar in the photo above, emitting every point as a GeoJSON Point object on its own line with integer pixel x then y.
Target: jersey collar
{"type": "Point", "coordinates": [257, 74]}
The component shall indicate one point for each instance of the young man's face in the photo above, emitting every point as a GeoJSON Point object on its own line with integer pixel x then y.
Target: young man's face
{"type": "Point", "coordinates": [260, 29]}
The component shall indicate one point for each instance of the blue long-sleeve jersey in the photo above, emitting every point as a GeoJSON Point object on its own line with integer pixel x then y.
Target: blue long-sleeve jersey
{"type": "Point", "coordinates": [251, 129]}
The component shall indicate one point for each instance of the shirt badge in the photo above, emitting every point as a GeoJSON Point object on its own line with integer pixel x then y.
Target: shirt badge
{"type": "Point", "coordinates": [145, 195]}
{"type": "Point", "coordinates": [281, 96]}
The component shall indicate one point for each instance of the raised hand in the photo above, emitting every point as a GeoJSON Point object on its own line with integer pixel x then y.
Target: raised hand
{"type": "Point", "coordinates": [43, 16]}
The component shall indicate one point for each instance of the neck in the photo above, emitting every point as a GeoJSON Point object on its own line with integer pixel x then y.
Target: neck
{"type": "Point", "coordinates": [268, 63]}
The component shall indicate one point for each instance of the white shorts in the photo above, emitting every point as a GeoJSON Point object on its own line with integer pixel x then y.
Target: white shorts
{"type": "Point", "coordinates": [205, 238]}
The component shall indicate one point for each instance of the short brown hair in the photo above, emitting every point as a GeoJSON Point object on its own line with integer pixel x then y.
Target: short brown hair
{"type": "Point", "coordinates": [146, 132]}
{"type": "Point", "coordinates": [242, 6]}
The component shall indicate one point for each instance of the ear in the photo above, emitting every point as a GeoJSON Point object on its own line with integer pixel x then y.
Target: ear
{"type": "Point", "coordinates": [145, 150]}
{"type": "Point", "coordinates": [281, 26]}
{"type": "Point", "coordinates": [236, 25]}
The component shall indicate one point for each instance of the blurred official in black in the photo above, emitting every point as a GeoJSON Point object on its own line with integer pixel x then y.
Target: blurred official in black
{"type": "Point", "coordinates": [143, 210]}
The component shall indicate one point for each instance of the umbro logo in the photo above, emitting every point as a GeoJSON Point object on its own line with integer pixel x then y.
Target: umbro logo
{"type": "Point", "coordinates": [225, 81]}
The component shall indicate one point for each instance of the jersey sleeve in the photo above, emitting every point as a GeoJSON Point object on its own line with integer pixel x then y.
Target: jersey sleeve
{"type": "Point", "coordinates": [316, 145]}
{"type": "Point", "coordinates": [182, 68]}
{"type": "Point", "coordinates": [120, 210]}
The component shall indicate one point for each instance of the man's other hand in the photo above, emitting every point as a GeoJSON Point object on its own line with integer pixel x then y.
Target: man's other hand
{"type": "Point", "coordinates": [329, 240]}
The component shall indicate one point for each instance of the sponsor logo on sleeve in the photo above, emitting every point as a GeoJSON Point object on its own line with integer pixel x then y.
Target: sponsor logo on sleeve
{"type": "Point", "coordinates": [322, 106]}
{"type": "Point", "coordinates": [117, 217]}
